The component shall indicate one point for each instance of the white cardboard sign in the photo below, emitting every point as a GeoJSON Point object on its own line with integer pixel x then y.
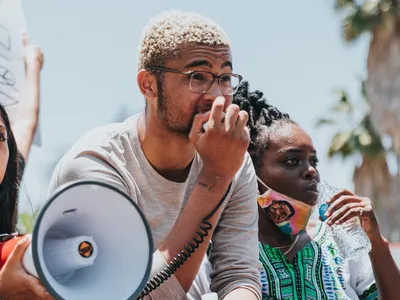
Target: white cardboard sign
{"type": "Point", "coordinates": [12, 68]}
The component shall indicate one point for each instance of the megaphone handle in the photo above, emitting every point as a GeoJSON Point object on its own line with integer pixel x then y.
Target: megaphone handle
{"type": "Point", "coordinates": [184, 254]}
{"type": "Point", "coordinates": [28, 263]}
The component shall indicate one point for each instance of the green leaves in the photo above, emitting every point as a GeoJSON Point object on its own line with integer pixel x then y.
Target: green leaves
{"type": "Point", "coordinates": [323, 121]}
{"type": "Point", "coordinates": [365, 16]}
{"type": "Point", "coordinates": [361, 138]}
{"type": "Point", "coordinates": [343, 105]}
{"type": "Point", "coordinates": [342, 144]}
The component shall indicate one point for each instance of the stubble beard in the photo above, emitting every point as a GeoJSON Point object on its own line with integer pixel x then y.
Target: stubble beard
{"type": "Point", "coordinates": [170, 116]}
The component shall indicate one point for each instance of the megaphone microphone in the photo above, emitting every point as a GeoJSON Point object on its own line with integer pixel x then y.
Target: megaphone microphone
{"type": "Point", "coordinates": [90, 241]}
{"type": "Point", "coordinates": [206, 123]}
{"type": "Point", "coordinates": [63, 256]}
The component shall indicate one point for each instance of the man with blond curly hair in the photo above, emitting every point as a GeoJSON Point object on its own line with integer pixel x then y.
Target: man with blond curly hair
{"type": "Point", "coordinates": [177, 169]}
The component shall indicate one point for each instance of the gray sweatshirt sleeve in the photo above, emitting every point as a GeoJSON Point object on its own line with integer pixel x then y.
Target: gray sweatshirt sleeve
{"type": "Point", "coordinates": [91, 165]}
{"type": "Point", "coordinates": [234, 254]}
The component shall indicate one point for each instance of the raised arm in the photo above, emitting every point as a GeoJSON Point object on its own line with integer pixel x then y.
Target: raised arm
{"type": "Point", "coordinates": [222, 149]}
{"type": "Point", "coordinates": [25, 123]}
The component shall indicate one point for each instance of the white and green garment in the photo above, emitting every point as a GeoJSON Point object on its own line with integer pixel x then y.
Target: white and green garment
{"type": "Point", "coordinates": [317, 272]}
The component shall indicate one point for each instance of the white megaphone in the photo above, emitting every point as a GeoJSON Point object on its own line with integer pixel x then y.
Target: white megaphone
{"type": "Point", "coordinates": [90, 241]}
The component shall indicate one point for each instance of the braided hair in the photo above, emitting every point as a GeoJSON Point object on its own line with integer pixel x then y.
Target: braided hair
{"type": "Point", "coordinates": [262, 116]}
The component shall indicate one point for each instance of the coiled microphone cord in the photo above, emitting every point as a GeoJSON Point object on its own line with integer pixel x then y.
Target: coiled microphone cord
{"type": "Point", "coordinates": [185, 253]}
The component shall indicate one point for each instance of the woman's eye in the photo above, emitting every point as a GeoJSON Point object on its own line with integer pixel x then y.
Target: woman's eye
{"type": "Point", "coordinates": [292, 161]}
{"type": "Point", "coordinates": [314, 162]}
{"type": "Point", "coordinates": [3, 138]}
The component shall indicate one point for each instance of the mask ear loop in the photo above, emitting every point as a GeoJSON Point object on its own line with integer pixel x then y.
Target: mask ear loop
{"type": "Point", "coordinates": [263, 184]}
{"type": "Point", "coordinates": [268, 188]}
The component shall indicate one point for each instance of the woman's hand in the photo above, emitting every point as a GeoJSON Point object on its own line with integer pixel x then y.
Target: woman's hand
{"type": "Point", "coordinates": [15, 282]}
{"type": "Point", "coordinates": [346, 205]}
{"type": "Point", "coordinates": [33, 57]}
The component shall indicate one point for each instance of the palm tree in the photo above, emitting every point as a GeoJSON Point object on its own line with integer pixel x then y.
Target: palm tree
{"type": "Point", "coordinates": [381, 19]}
{"type": "Point", "coordinates": [371, 177]}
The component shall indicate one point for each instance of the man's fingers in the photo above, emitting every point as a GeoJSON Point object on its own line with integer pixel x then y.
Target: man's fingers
{"type": "Point", "coordinates": [231, 117]}
{"type": "Point", "coordinates": [243, 117]}
{"type": "Point", "coordinates": [197, 126]}
{"type": "Point", "coordinates": [216, 113]}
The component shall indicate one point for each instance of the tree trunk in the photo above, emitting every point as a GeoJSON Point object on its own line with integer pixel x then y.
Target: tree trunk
{"type": "Point", "coordinates": [373, 180]}
{"type": "Point", "coordinates": [383, 83]}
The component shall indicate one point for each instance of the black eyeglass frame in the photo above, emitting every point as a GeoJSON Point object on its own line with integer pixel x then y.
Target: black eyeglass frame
{"type": "Point", "coordinates": [190, 74]}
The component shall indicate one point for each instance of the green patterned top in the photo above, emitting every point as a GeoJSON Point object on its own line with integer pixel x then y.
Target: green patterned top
{"type": "Point", "coordinates": [318, 271]}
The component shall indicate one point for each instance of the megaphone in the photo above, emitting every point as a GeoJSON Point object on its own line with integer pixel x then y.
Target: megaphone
{"type": "Point", "coordinates": [90, 241]}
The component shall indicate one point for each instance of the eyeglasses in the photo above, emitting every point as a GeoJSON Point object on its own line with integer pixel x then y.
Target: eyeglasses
{"type": "Point", "coordinates": [201, 81]}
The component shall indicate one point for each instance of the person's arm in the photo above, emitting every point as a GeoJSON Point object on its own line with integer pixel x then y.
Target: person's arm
{"type": "Point", "coordinates": [387, 274]}
{"type": "Point", "coordinates": [234, 253]}
{"type": "Point", "coordinates": [207, 193]}
{"type": "Point", "coordinates": [26, 120]}
{"type": "Point", "coordinates": [222, 148]}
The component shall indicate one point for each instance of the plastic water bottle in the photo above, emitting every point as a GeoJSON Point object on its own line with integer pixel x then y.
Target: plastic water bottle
{"type": "Point", "coordinates": [349, 236]}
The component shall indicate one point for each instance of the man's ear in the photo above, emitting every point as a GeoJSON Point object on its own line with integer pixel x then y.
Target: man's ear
{"type": "Point", "coordinates": [147, 85]}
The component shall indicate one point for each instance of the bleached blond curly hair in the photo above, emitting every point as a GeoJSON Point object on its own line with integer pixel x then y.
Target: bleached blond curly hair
{"type": "Point", "coordinates": [164, 35]}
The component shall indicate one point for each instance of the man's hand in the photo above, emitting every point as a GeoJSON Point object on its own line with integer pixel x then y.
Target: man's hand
{"type": "Point", "coordinates": [15, 282]}
{"type": "Point", "coordinates": [223, 145]}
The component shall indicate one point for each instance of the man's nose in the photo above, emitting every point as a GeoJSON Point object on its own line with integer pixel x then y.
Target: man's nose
{"type": "Point", "coordinates": [213, 92]}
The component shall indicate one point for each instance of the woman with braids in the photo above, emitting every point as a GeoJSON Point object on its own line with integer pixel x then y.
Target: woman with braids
{"type": "Point", "coordinates": [299, 259]}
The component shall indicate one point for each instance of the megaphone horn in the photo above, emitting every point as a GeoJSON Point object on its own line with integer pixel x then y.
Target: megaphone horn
{"type": "Point", "coordinates": [90, 241]}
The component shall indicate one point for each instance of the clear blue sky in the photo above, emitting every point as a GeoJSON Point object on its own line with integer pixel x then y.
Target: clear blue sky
{"type": "Point", "coordinates": [291, 50]}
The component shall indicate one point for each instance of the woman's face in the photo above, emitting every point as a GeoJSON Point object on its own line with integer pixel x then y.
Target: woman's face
{"type": "Point", "coordinates": [289, 165]}
{"type": "Point", "coordinates": [4, 153]}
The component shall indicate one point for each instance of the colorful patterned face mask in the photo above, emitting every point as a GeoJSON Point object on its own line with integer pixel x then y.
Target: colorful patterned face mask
{"type": "Point", "coordinates": [288, 214]}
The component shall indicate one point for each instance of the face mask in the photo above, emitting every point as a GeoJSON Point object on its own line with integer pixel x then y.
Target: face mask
{"type": "Point", "coordinates": [288, 214]}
